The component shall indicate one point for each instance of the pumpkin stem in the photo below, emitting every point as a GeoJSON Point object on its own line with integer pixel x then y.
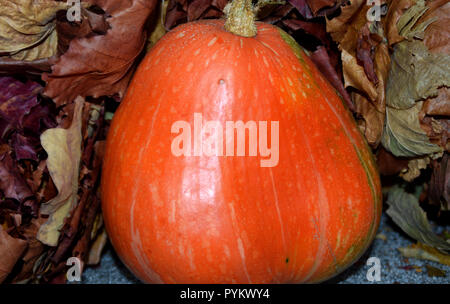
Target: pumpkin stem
{"type": "Point", "coordinates": [240, 18]}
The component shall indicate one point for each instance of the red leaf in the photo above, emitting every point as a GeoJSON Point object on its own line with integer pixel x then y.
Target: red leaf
{"type": "Point", "coordinates": [322, 60]}
{"type": "Point", "coordinates": [103, 64]}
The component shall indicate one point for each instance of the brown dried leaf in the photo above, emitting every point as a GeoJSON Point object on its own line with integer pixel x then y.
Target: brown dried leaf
{"type": "Point", "coordinates": [388, 164]}
{"type": "Point", "coordinates": [197, 8]}
{"type": "Point", "coordinates": [102, 64]}
{"type": "Point", "coordinates": [33, 252]}
{"type": "Point", "coordinates": [322, 61]}
{"type": "Point", "coordinates": [317, 5]}
{"type": "Point", "coordinates": [11, 249]}
{"type": "Point", "coordinates": [439, 191]}
{"type": "Point", "coordinates": [437, 34]}
{"type": "Point", "coordinates": [439, 105]}
{"type": "Point", "coordinates": [302, 7]}
{"type": "Point", "coordinates": [354, 35]}
{"type": "Point", "coordinates": [91, 24]}
{"type": "Point", "coordinates": [12, 183]}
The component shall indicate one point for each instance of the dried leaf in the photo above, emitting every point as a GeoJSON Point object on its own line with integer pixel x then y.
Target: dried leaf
{"type": "Point", "coordinates": [425, 252]}
{"type": "Point", "coordinates": [197, 8]}
{"type": "Point", "coordinates": [434, 272]}
{"type": "Point", "coordinates": [405, 211]}
{"type": "Point", "coordinates": [374, 112]}
{"type": "Point", "coordinates": [91, 24]}
{"type": "Point", "coordinates": [25, 147]}
{"type": "Point", "coordinates": [322, 61]}
{"type": "Point", "coordinates": [396, 9]}
{"type": "Point", "coordinates": [439, 191]}
{"type": "Point", "coordinates": [318, 5]}
{"type": "Point", "coordinates": [12, 183]}
{"type": "Point", "coordinates": [27, 28]}
{"type": "Point", "coordinates": [11, 250]}
{"type": "Point", "coordinates": [102, 64]}
{"type": "Point", "coordinates": [437, 34]}
{"type": "Point", "coordinates": [159, 30]}
{"type": "Point", "coordinates": [346, 25]}
{"type": "Point", "coordinates": [439, 105]}
{"type": "Point", "coordinates": [63, 147]}
{"type": "Point", "coordinates": [17, 99]}
{"type": "Point", "coordinates": [403, 135]}
{"type": "Point", "coordinates": [95, 252]}
{"type": "Point", "coordinates": [381, 236]}
{"type": "Point", "coordinates": [302, 7]}
{"type": "Point", "coordinates": [414, 167]}
{"type": "Point", "coordinates": [35, 249]}
{"type": "Point", "coordinates": [388, 164]}
{"type": "Point", "coordinates": [415, 74]}
{"type": "Point", "coordinates": [408, 25]}
{"type": "Point", "coordinates": [354, 34]}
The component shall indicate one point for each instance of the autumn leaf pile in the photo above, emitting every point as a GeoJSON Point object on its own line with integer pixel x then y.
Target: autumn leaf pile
{"type": "Point", "coordinates": [61, 81]}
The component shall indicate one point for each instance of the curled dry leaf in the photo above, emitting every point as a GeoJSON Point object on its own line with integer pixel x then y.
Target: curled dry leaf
{"type": "Point", "coordinates": [405, 211]}
{"type": "Point", "coordinates": [63, 147]}
{"type": "Point", "coordinates": [435, 115]}
{"type": "Point", "coordinates": [11, 250]}
{"type": "Point", "coordinates": [417, 74]}
{"type": "Point", "coordinates": [365, 62]}
{"type": "Point", "coordinates": [403, 136]}
{"type": "Point", "coordinates": [27, 28]}
{"type": "Point", "coordinates": [415, 166]}
{"type": "Point", "coordinates": [396, 10]}
{"type": "Point", "coordinates": [102, 64]}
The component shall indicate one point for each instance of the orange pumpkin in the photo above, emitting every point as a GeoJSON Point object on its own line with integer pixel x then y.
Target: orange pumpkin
{"type": "Point", "coordinates": [227, 219]}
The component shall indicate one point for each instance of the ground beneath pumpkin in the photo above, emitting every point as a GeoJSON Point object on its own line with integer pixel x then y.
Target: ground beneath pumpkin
{"type": "Point", "coordinates": [394, 267]}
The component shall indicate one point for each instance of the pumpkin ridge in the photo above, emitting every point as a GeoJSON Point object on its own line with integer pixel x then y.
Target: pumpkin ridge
{"type": "Point", "coordinates": [322, 196]}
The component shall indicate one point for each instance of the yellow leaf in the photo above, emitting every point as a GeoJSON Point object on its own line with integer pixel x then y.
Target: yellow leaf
{"type": "Point", "coordinates": [425, 252]}
{"type": "Point", "coordinates": [63, 147]}
{"type": "Point", "coordinates": [27, 28]}
{"type": "Point", "coordinates": [159, 29]}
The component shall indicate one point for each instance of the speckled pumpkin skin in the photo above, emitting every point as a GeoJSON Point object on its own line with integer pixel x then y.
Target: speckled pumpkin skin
{"type": "Point", "coordinates": [227, 219]}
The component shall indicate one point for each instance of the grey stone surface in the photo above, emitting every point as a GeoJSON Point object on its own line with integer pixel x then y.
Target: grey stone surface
{"type": "Point", "coordinates": [394, 268]}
